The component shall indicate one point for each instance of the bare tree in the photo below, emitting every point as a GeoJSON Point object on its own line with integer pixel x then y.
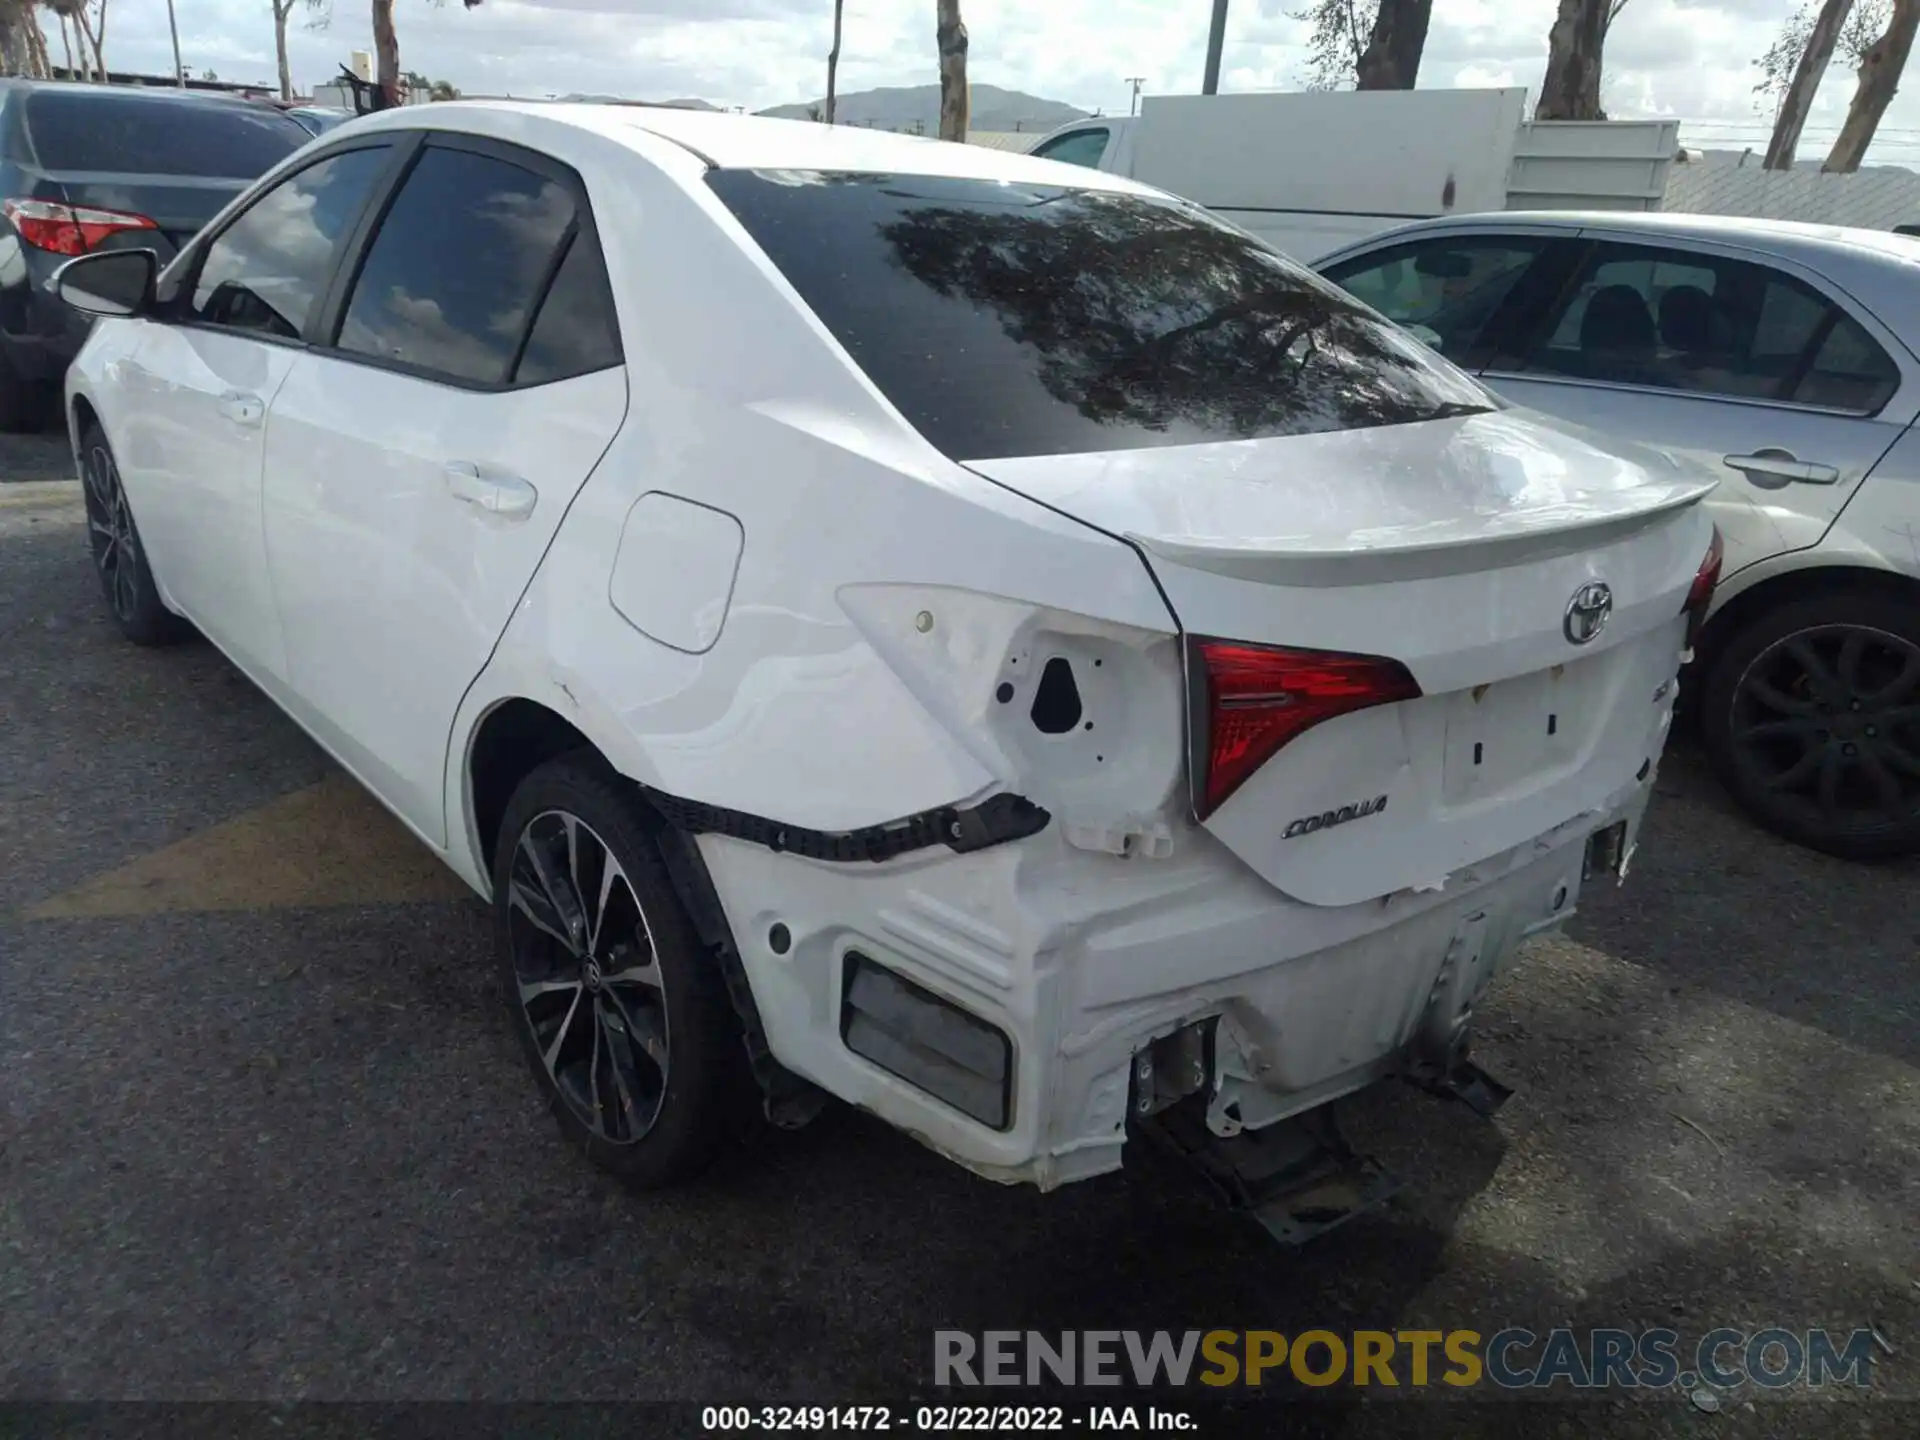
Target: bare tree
{"type": "Point", "coordinates": [92, 21]}
{"type": "Point", "coordinates": [17, 23]}
{"type": "Point", "coordinates": [1796, 62]}
{"type": "Point", "coordinates": [386, 50]}
{"type": "Point", "coordinates": [1880, 70]}
{"type": "Point", "coordinates": [833, 61]}
{"type": "Point", "coordinates": [1336, 41]}
{"type": "Point", "coordinates": [90, 29]}
{"type": "Point", "coordinates": [950, 36]}
{"type": "Point", "coordinates": [66, 37]}
{"type": "Point", "coordinates": [321, 11]}
{"type": "Point", "coordinates": [1391, 60]}
{"type": "Point", "coordinates": [1570, 90]}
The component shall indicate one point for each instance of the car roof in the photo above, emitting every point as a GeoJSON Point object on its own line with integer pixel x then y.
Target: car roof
{"type": "Point", "coordinates": [112, 94]}
{"type": "Point", "coordinates": [754, 142]}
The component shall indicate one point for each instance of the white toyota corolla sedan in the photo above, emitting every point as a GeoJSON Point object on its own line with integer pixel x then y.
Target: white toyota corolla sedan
{"type": "Point", "coordinates": [961, 633]}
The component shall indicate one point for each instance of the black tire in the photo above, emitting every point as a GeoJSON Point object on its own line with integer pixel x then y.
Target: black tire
{"type": "Point", "coordinates": [1811, 717]}
{"type": "Point", "coordinates": [653, 1113]}
{"type": "Point", "coordinates": [119, 558]}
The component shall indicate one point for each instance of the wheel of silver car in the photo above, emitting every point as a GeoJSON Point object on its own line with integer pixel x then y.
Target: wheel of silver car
{"type": "Point", "coordinates": [622, 1013]}
{"type": "Point", "coordinates": [1817, 716]}
{"type": "Point", "coordinates": [586, 976]}
{"type": "Point", "coordinates": [114, 540]}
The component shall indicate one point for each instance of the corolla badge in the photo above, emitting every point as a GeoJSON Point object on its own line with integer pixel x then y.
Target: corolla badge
{"type": "Point", "coordinates": [1587, 612]}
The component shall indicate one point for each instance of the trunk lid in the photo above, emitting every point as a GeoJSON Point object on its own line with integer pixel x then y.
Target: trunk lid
{"type": "Point", "coordinates": [1457, 548]}
{"type": "Point", "coordinates": [178, 204]}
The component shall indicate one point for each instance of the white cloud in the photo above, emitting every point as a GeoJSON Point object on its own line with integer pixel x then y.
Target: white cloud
{"type": "Point", "coordinates": [1684, 58]}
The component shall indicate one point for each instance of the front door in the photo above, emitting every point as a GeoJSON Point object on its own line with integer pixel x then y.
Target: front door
{"type": "Point", "coordinates": [201, 383]}
{"type": "Point", "coordinates": [418, 465]}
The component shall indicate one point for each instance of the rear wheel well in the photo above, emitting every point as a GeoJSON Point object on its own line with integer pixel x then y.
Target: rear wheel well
{"type": "Point", "coordinates": [514, 740]}
{"type": "Point", "coordinates": [520, 735]}
{"type": "Point", "coordinates": [83, 414]}
{"type": "Point", "coordinates": [1738, 612]}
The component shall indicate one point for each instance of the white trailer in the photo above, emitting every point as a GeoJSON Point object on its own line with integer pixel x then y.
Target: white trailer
{"type": "Point", "coordinates": [1312, 171]}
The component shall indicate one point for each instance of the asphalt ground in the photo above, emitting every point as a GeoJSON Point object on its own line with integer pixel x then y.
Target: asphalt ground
{"type": "Point", "coordinates": [266, 1135]}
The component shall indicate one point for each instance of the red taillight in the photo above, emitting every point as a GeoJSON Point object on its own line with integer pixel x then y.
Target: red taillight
{"type": "Point", "coordinates": [1250, 700]}
{"type": "Point", "coordinates": [1700, 593]}
{"type": "Point", "coordinates": [68, 229]}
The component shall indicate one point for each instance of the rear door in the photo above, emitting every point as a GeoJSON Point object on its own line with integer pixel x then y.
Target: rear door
{"type": "Point", "coordinates": [1753, 368]}
{"type": "Point", "coordinates": [421, 457]}
{"type": "Point", "coordinates": [198, 387]}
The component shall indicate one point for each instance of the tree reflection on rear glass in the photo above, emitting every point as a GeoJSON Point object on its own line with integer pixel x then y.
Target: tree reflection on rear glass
{"type": "Point", "coordinates": [1021, 320]}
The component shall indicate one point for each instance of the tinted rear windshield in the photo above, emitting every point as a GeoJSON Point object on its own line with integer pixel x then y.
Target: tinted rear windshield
{"type": "Point", "coordinates": [1012, 319]}
{"type": "Point", "coordinates": [157, 135]}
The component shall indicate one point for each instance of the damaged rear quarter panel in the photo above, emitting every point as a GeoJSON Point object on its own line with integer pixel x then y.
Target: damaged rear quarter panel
{"type": "Point", "coordinates": [794, 714]}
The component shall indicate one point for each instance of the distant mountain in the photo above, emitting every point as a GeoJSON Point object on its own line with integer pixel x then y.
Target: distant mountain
{"type": "Point", "coordinates": [899, 107]}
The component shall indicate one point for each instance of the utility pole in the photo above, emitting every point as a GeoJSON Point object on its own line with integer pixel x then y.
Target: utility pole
{"type": "Point", "coordinates": [179, 75]}
{"type": "Point", "coordinates": [1136, 81]}
{"type": "Point", "coordinates": [1216, 37]}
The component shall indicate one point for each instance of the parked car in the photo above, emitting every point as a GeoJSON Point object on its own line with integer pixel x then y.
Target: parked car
{"type": "Point", "coordinates": [318, 119]}
{"type": "Point", "coordinates": [1014, 650]}
{"type": "Point", "coordinates": [102, 167]}
{"type": "Point", "coordinates": [1780, 358]}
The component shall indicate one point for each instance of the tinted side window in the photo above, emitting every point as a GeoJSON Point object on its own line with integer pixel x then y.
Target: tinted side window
{"type": "Point", "coordinates": [80, 128]}
{"type": "Point", "coordinates": [1020, 319]}
{"type": "Point", "coordinates": [1083, 147]}
{"type": "Point", "coordinates": [575, 332]}
{"type": "Point", "coordinates": [266, 270]}
{"type": "Point", "coordinates": [1443, 290]}
{"type": "Point", "coordinates": [1710, 325]}
{"type": "Point", "coordinates": [454, 271]}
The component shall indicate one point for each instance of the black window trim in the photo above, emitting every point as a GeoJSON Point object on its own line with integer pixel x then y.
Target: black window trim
{"type": "Point", "coordinates": [321, 335]}
{"type": "Point", "coordinates": [1837, 299]}
{"type": "Point", "coordinates": [330, 315]}
{"type": "Point", "coordinates": [184, 274]}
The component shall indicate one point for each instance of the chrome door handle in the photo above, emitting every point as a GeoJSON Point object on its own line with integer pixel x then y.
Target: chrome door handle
{"type": "Point", "coordinates": [1775, 468]}
{"type": "Point", "coordinates": [505, 495]}
{"type": "Point", "coordinates": [242, 408]}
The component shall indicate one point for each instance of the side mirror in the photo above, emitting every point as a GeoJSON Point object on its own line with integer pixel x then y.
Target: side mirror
{"type": "Point", "coordinates": [110, 282]}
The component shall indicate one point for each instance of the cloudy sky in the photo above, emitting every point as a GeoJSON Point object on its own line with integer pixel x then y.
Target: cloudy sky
{"type": "Point", "coordinates": [1683, 58]}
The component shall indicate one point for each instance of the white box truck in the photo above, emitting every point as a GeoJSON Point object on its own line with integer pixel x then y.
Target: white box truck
{"type": "Point", "coordinates": [1312, 171]}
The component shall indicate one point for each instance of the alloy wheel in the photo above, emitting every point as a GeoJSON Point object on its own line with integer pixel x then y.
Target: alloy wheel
{"type": "Point", "coordinates": [1827, 721]}
{"type": "Point", "coordinates": [110, 531]}
{"type": "Point", "coordinates": [588, 977]}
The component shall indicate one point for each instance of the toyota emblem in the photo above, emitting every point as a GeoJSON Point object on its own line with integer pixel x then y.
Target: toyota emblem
{"type": "Point", "coordinates": [1587, 612]}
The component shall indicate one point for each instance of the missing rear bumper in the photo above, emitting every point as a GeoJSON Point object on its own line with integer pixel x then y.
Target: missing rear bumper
{"type": "Point", "coordinates": [1297, 1179]}
{"type": "Point", "coordinates": [1607, 852]}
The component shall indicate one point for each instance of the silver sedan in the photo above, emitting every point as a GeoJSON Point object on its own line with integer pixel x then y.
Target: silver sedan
{"type": "Point", "coordinates": [1784, 357]}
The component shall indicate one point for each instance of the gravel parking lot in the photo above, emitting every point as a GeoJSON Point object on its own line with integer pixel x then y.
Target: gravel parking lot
{"type": "Point", "coordinates": [266, 1135]}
